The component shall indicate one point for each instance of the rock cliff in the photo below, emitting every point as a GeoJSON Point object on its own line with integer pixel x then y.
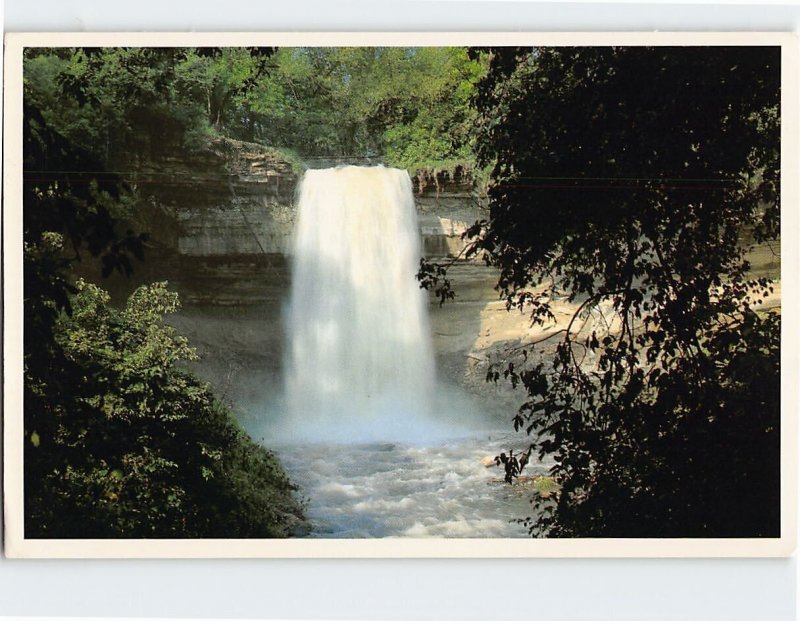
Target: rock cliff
{"type": "Point", "coordinates": [448, 201]}
{"type": "Point", "coordinates": [221, 220]}
{"type": "Point", "coordinates": [237, 199]}
{"type": "Point", "coordinates": [230, 198]}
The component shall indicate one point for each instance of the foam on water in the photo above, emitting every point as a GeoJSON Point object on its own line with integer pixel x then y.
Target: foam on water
{"type": "Point", "coordinates": [402, 490]}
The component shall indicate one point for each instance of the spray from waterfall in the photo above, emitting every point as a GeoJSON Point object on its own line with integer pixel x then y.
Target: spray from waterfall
{"type": "Point", "coordinates": [359, 355]}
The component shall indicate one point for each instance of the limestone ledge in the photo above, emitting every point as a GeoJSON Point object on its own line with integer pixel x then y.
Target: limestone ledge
{"type": "Point", "coordinates": [235, 199]}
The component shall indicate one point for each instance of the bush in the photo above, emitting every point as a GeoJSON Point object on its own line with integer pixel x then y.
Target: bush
{"type": "Point", "coordinates": [133, 446]}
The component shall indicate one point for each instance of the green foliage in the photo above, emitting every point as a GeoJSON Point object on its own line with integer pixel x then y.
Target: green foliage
{"type": "Point", "coordinates": [67, 214]}
{"type": "Point", "coordinates": [621, 180]}
{"type": "Point", "coordinates": [129, 103]}
{"type": "Point", "coordinates": [546, 486]}
{"type": "Point", "coordinates": [140, 448]}
{"type": "Point", "coordinates": [292, 158]}
{"type": "Point", "coordinates": [409, 106]}
{"type": "Point", "coordinates": [119, 442]}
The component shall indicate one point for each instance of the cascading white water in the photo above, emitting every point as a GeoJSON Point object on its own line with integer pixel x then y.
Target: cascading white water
{"type": "Point", "coordinates": [359, 353]}
{"type": "Point", "coordinates": [374, 447]}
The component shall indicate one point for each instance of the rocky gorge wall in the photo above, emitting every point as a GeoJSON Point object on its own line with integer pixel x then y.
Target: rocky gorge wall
{"type": "Point", "coordinates": [221, 222]}
{"type": "Point", "coordinates": [251, 211]}
{"type": "Point", "coordinates": [238, 199]}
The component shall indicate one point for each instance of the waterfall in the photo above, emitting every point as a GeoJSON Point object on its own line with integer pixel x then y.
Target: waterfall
{"type": "Point", "coordinates": [359, 357]}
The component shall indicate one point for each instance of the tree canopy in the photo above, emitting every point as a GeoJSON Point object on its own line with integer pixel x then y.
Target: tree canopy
{"type": "Point", "coordinates": [130, 103]}
{"type": "Point", "coordinates": [623, 179]}
{"type": "Point", "coordinates": [409, 106]}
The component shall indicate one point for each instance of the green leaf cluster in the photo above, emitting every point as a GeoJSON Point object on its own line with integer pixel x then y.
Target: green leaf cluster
{"type": "Point", "coordinates": [132, 105]}
{"type": "Point", "coordinates": [622, 181]}
{"type": "Point", "coordinates": [408, 106]}
{"type": "Point", "coordinates": [134, 446]}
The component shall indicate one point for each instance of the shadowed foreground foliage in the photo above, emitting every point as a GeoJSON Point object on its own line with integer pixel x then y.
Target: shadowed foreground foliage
{"type": "Point", "coordinates": [119, 441]}
{"type": "Point", "coordinates": [622, 181]}
{"type": "Point", "coordinates": [138, 447]}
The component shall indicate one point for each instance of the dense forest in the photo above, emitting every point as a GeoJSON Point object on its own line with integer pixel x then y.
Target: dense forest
{"type": "Point", "coordinates": [406, 106]}
{"type": "Point", "coordinates": [621, 178]}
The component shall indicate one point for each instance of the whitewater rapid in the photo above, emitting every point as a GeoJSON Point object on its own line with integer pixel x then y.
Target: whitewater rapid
{"type": "Point", "coordinates": [396, 489]}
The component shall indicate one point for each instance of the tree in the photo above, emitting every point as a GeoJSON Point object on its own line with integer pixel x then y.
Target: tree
{"type": "Point", "coordinates": [141, 448]}
{"type": "Point", "coordinates": [67, 214]}
{"type": "Point", "coordinates": [409, 105]}
{"type": "Point", "coordinates": [118, 440]}
{"type": "Point", "coordinates": [134, 103]}
{"type": "Point", "coordinates": [622, 179]}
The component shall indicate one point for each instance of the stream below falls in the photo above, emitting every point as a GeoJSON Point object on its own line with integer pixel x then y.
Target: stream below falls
{"type": "Point", "coordinates": [395, 489]}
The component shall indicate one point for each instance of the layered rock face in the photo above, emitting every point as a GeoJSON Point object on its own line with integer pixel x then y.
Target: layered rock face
{"type": "Point", "coordinates": [447, 203]}
{"type": "Point", "coordinates": [236, 199]}
{"type": "Point", "coordinates": [248, 212]}
{"type": "Point", "coordinates": [221, 220]}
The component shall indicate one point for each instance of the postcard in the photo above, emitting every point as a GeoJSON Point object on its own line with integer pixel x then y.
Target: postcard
{"type": "Point", "coordinates": [400, 294]}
